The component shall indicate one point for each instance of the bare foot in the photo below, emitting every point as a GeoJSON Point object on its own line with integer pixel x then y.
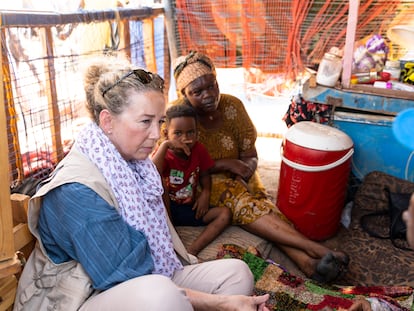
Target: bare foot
{"type": "Point", "coordinates": [342, 257]}
{"type": "Point", "coordinates": [330, 268]}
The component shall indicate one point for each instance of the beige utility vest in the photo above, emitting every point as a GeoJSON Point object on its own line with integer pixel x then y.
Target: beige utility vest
{"type": "Point", "coordinates": [44, 285]}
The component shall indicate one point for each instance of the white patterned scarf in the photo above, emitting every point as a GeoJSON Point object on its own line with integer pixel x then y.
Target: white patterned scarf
{"type": "Point", "coordinates": [138, 189]}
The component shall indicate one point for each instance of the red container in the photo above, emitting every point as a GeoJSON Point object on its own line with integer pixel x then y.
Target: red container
{"type": "Point", "coordinates": [314, 173]}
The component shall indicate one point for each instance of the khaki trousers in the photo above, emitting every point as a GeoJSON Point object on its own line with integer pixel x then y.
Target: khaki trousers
{"type": "Point", "coordinates": [159, 293]}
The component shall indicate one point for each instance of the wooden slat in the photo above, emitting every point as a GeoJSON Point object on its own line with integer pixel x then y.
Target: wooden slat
{"type": "Point", "coordinates": [349, 42]}
{"type": "Point", "coordinates": [24, 241]}
{"type": "Point", "coordinates": [54, 114]}
{"type": "Point", "coordinates": [125, 36]}
{"type": "Point", "coordinates": [10, 266]}
{"type": "Point", "coordinates": [149, 44]}
{"type": "Point", "coordinates": [20, 203]}
{"type": "Point", "coordinates": [22, 236]}
{"type": "Point", "coordinates": [6, 221]}
{"type": "Point", "coordinates": [8, 286]}
{"type": "Point", "coordinates": [39, 19]}
{"type": "Point", "coordinates": [170, 21]}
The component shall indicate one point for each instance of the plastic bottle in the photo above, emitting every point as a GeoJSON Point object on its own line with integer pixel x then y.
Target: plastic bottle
{"type": "Point", "coordinates": [364, 77]}
{"type": "Point", "coordinates": [393, 68]}
{"type": "Point", "coordinates": [329, 70]}
{"type": "Point", "coordinates": [383, 84]}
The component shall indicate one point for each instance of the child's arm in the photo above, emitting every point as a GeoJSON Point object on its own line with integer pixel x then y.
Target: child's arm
{"type": "Point", "coordinates": [205, 182]}
{"type": "Point", "coordinates": [159, 155]}
{"type": "Point", "coordinates": [202, 203]}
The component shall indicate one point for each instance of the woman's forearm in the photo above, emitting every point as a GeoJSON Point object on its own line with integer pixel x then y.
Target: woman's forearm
{"type": "Point", "coordinates": [251, 163]}
{"type": "Point", "coordinates": [250, 158]}
{"type": "Point", "coordinates": [203, 301]}
{"type": "Point", "coordinates": [209, 302]}
{"type": "Point", "coordinates": [222, 165]}
{"type": "Point", "coordinates": [244, 168]}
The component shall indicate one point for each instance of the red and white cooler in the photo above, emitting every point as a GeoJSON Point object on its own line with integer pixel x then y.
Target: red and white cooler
{"type": "Point", "coordinates": [314, 174]}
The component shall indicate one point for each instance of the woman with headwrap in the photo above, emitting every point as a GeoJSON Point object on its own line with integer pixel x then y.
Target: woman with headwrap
{"type": "Point", "coordinates": [227, 131]}
{"type": "Point", "coordinates": [104, 239]}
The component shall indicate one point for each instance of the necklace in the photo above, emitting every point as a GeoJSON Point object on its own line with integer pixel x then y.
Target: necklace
{"type": "Point", "coordinates": [211, 118]}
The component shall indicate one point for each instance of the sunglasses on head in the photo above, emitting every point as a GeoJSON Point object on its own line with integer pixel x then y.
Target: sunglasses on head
{"type": "Point", "coordinates": [182, 65]}
{"type": "Point", "coordinates": [142, 76]}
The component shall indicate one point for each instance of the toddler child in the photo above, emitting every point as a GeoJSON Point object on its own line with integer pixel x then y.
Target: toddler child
{"type": "Point", "coordinates": [184, 164]}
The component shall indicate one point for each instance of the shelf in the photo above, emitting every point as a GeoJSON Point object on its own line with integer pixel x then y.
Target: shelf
{"type": "Point", "coordinates": [361, 97]}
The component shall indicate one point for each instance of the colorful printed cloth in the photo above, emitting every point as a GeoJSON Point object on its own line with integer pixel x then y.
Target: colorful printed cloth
{"type": "Point", "coordinates": [290, 292]}
{"type": "Point", "coordinates": [303, 110]}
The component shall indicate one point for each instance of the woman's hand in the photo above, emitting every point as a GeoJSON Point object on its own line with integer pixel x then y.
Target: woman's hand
{"type": "Point", "coordinates": [247, 303]}
{"type": "Point", "coordinates": [361, 305]}
{"type": "Point", "coordinates": [244, 170]}
{"type": "Point", "coordinates": [244, 167]}
{"type": "Point", "coordinates": [242, 181]}
{"type": "Point", "coordinates": [235, 166]}
{"type": "Point", "coordinates": [210, 302]}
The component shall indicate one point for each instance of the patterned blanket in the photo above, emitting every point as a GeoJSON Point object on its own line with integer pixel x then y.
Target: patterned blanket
{"type": "Point", "coordinates": [289, 292]}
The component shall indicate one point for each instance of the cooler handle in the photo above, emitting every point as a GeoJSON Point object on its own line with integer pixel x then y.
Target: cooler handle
{"type": "Point", "coordinates": [326, 167]}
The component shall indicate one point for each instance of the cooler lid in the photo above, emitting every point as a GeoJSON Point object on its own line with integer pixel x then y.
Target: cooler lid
{"type": "Point", "coordinates": [318, 136]}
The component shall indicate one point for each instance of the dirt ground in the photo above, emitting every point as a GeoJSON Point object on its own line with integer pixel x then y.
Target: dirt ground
{"type": "Point", "coordinates": [268, 149]}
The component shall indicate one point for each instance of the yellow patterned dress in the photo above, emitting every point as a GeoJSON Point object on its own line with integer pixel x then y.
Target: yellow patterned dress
{"type": "Point", "coordinates": [236, 135]}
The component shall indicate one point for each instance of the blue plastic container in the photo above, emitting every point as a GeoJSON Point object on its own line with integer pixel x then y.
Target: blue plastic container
{"type": "Point", "coordinates": [375, 146]}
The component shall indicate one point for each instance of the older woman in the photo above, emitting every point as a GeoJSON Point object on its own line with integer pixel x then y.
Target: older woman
{"type": "Point", "coordinates": [227, 131]}
{"type": "Point", "coordinates": [105, 242]}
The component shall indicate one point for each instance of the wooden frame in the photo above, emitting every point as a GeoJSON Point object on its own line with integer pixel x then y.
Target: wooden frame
{"type": "Point", "coordinates": [14, 231]}
{"type": "Point", "coordinates": [6, 221]}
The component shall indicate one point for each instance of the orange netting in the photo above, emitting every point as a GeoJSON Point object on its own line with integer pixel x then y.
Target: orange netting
{"type": "Point", "coordinates": [277, 35]}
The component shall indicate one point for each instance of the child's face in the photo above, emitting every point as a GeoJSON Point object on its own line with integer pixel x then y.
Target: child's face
{"type": "Point", "coordinates": [183, 129]}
